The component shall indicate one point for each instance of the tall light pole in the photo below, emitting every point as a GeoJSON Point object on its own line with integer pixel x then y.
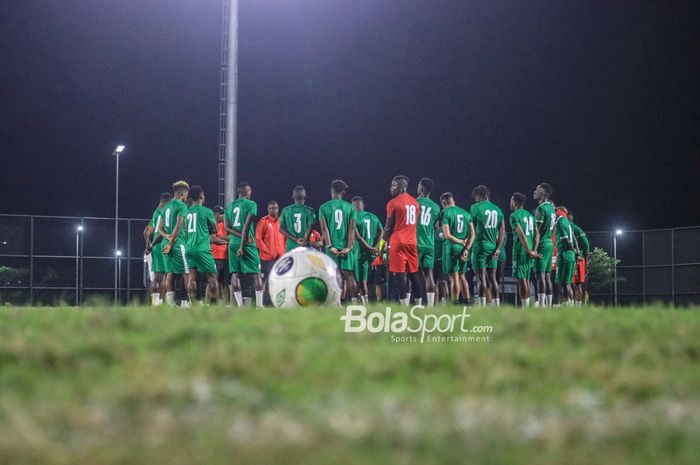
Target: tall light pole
{"type": "Point", "coordinates": [618, 232]}
{"type": "Point", "coordinates": [230, 55]}
{"type": "Point", "coordinates": [117, 151]}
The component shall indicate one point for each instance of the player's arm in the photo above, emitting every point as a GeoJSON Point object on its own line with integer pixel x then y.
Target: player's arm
{"type": "Point", "coordinates": [326, 237]}
{"type": "Point", "coordinates": [501, 238]}
{"type": "Point", "coordinates": [229, 229]}
{"type": "Point", "coordinates": [286, 234]}
{"type": "Point", "coordinates": [447, 234]}
{"type": "Point", "coordinates": [161, 231]}
{"type": "Point", "coordinates": [244, 234]}
{"type": "Point", "coordinates": [377, 239]}
{"type": "Point", "coordinates": [351, 237]}
{"type": "Point", "coordinates": [523, 241]}
{"type": "Point", "coordinates": [147, 233]}
{"type": "Point", "coordinates": [567, 242]}
{"type": "Point", "coordinates": [176, 233]}
{"type": "Point", "coordinates": [468, 241]}
{"type": "Point", "coordinates": [536, 243]}
{"type": "Point", "coordinates": [362, 241]}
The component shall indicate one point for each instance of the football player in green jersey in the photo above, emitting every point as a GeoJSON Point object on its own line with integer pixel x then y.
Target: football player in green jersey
{"type": "Point", "coordinates": [566, 257]}
{"type": "Point", "coordinates": [337, 218]}
{"type": "Point", "coordinates": [297, 220]}
{"type": "Point", "coordinates": [154, 246]}
{"type": "Point", "coordinates": [175, 259]}
{"type": "Point", "coordinates": [367, 234]}
{"type": "Point", "coordinates": [583, 248]}
{"type": "Point", "coordinates": [201, 226]}
{"type": "Point", "coordinates": [458, 232]}
{"type": "Point", "coordinates": [526, 238]}
{"type": "Point", "coordinates": [425, 232]}
{"type": "Point", "coordinates": [490, 234]}
{"type": "Point", "coordinates": [545, 218]}
{"type": "Point", "coordinates": [243, 256]}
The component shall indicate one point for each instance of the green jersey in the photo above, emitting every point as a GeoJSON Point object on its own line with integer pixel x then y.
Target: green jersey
{"type": "Point", "coordinates": [199, 220]}
{"type": "Point", "coordinates": [369, 227]}
{"type": "Point", "coordinates": [458, 220]}
{"type": "Point", "coordinates": [526, 221]}
{"type": "Point", "coordinates": [296, 219]}
{"type": "Point", "coordinates": [171, 212]}
{"type": "Point", "coordinates": [236, 213]}
{"type": "Point", "coordinates": [428, 219]}
{"type": "Point", "coordinates": [155, 222]}
{"type": "Point", "coordinates": [337, 213]}
{"type": "Point", "coordinates": [546, 219]}
{"type": "Point", "coordinates": [583, 245]}
{"type": "Point", "coordinates": [487, 219]}
{"type": "Point", "coordinates": [563, 231]}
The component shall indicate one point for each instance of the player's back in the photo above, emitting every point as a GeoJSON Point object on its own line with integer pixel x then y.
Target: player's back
{"type": "Point", "coordinates": [237, 212]}
{"type": "Point", "coordinates": [458, 220]}
{"type": "Point", "coordinates": [526, 221]}
{"type": "Point", "coordinates": [427, 219]}
{"type": "Point", "coordinates": [171, 211]}
{"type": "Point", "coordinates": [546, 219]}
{"type": "Point", "coordinates": [487, 218]}
{"type": "Point", "coordinates": [368, 225]}
{"type": "Point", "coordinates": [198, 219]}
{"type": "Point", "coordinates": [404, 208]}
{"type": "Point", "coordinates": [337, 214]}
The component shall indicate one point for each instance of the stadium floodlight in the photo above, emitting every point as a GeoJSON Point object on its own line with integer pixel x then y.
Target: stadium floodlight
{"type": "Point", "coordinates": [80, 228]}
{"type": "Point", "coordinates": [618, 232]}
{"type": "Point", "coordinates": [120, 148]}
{"type": "Point", "coordinates": [118, 253]}
{"type": "Point", "coordinates": [117, 151]}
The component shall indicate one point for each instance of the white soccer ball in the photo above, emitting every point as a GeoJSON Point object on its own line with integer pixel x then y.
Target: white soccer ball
{"type": "Point", "coordinates": [303, 277]}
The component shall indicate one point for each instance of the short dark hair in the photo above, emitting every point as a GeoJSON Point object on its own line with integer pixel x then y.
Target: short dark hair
{"type": "Point", "coordinates": [571, 215]}
{"type": "Point", "coordinates": [338, 186]}
{"type": "Point", "coordinates": [547, 188]}
{"type": "Point", "coordinates": [446, 197]}
{"type": "Point", "coordinates": [427, 184]}
{"type": "Point", "coordinates": [401, 177]}
{"type": "Point", "coordinates": [481, 191]}
{"type": "Point", "coordinates": [166, 196]}
{"type": "Point", "coordinates": [241, 186]}
{"type": "Point", "coordinates": [196, 193]}
{"type": "Point", "coordinates": [357, 198]}
{"type": "Point", "coordinates": [218, 209]}
{"type": "Point", "coordinates": [519, 199]}
{"type": "Point", "coordinates": [273, 202]}
{"type": "Point", "coordinates": [298, 188]}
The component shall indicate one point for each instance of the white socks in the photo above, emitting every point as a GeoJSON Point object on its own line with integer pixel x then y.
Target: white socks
{"type": "Point", "coordinates": [238, 297]}
{"type": "Point", "coordinates": [431, 299]}
{"type": "Point", "coordinates": [542, 300]}
{"type": "Point", "coordinates": [526, 302]}
{"type": "Point", "coordinates": [419, 301]}
{"type": "Point", "coordinates": [578, 303]}
{"type": "Point", "coordinates": [496, 302]}
{"type": "Point", "coordinates": [405, 302]}
{"type": "Point", "coordinates": [353, 300]}
{"type": "Point", "coordinates": [365, 299]}
{"type": "Point", "coordinates": [155, 298]}
{"type": "Point", "coordinates": [482, 301]}
{"type": "Point", "coordinates": [170, 298]}
{"type": "Point", "coordinates": [408, 297]}
{"type": "Point", "coordinates": [548, 298]}
{"type": "Point", "coordinates": [259, 299]}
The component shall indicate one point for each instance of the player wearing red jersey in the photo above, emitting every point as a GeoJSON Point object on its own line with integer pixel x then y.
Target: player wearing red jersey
{"type": "Point", "coordinates": [400, 232]}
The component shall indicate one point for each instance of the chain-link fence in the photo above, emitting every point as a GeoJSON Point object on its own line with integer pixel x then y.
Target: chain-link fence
{"type": "Point", "coordinates": [46, 260]}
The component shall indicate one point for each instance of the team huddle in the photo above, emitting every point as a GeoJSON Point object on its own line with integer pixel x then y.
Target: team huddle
{"type": "Point", "coordinates": [429, 248]}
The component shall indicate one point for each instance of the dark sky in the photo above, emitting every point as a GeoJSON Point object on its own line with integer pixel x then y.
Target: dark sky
{"type": "Point", "coordinates": [601, 99]}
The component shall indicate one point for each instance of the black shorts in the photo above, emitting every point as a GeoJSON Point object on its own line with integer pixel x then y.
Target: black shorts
{"type": "Point", "coordinates": [377, 275]}
{"type": "Point", "coordinates": [222, 272]}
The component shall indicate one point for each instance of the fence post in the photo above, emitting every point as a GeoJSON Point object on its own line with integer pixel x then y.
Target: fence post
{"type": "Point", "coordinates": [673, 268]}
{"type": "Point", "coordinates": [128, 260]}
{"type": "Point", "coordinates": [644, 268]}
{"type": "Point", "coordinates": [31, 260]}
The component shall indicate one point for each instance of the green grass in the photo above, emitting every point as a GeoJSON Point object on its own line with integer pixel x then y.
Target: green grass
{"type": "Point", "coordinates": [218, 386]}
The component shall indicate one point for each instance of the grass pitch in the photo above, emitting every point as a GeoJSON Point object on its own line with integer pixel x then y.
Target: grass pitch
{"type": "Point", "coordinates": [217, 386]}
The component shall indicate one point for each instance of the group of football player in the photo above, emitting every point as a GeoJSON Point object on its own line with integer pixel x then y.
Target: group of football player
{"type": "Point", "coordinates": [433, 251]}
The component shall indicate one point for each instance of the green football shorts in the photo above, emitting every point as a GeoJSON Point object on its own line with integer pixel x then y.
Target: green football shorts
{"type": "Point", "coordinates": [176, 260]}
{"type": "Point", "coordinates": [248, 263]}
{"type": "Point", "coordinates": [426, 257]}
{"type": "Point", "coordinates": [565, 271]}
{"type": "Point", "coordinates": [201, 260]}
{"type": "Point", "coordinates": [452, 258]}
{"type": "Point", "coordinates": [344, 263]}
{"type": "Point", "coordinates": [482, 255]}
{"type": "Point", "coordinates": [362, 266]}
{"type": "Point", "coordinates": [544, 264]}
{"type": "Point", "coordinates": [157, 260]}
{"type": "Point", "coordinates": [522, 264]}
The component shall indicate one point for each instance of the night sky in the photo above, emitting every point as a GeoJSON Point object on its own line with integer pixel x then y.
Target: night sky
{"type": "Point", "coordinates": [600, 99]}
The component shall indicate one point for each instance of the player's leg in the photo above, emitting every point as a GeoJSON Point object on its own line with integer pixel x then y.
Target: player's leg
{"type": "Point", "coordinates": [426, 260]}
{"type": "Point", "coordinates": [415, 276]}
{"type": "Point", "coordinates": [236, 291]}
{"type": "Point", "coordinates": [258, 285]}
{"type": "Point", "coordinates": [212, 292]}
{"type": "Point", "coordinates": [493, 285]}
{"type": "Point", "coordinates": [192, 284]}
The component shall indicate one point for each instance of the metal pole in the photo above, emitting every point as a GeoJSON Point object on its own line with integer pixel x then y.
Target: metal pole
{"type": "Point", "coordinates": [82, 253]}
{"type": "Point", "coordinates": [231, 102]}
{"type": "Point", "coordinates": [615, 257]}
{"type": "Point", "coordinates": [31, 260]}
{"type": "Point", "coordinates": [116, 234]}
{"type": "Point", "coordinates": [77, 268]}
{"type": "Point", "coordinates": [673, 269]}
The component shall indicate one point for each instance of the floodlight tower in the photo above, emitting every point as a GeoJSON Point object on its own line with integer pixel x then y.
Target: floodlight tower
{"type": "Point", "coordinates": [117, 151]}
{"type": "Point", "coordinates": [228, 102]}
